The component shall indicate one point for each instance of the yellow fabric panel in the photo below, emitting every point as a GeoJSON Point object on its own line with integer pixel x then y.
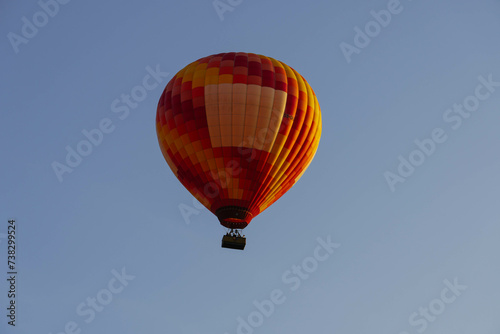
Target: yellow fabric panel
{"type": "Point", "coordinates": [199, 75]}
{"type": "Point", "coordinates": [279, 175]}
{"type": "Point", "coordinates": [310, 104]}
{"type": "Point", "coordinates": [278, 145]}
{"type": "Point", "coordinates": [212, 76]}
{"type": "Point", "coordinates": [271, 197]}
{"type": "Point", "coordinates": [266, 65]}
{"type": "Point", "coordinates": [310, 156]}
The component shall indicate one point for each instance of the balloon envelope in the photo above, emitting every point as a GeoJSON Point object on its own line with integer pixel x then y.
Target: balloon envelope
{"type": "Point", "coordinates": [238, 130]}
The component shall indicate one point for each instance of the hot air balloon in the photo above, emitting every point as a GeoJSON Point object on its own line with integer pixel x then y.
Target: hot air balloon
{"type": "Point", "coordinates": [238, 130]}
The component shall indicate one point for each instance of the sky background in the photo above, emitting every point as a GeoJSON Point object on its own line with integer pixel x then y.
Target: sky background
{"type": "Point", "coordinates": [120, 207]}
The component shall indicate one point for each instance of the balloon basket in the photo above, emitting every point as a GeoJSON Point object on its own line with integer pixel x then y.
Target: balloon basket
{"type": "Point", "coordinates": [233, 240]}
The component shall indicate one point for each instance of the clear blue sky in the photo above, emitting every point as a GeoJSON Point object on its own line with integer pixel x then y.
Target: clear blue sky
{"type": "Point", "coordinates": [119, 208]}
